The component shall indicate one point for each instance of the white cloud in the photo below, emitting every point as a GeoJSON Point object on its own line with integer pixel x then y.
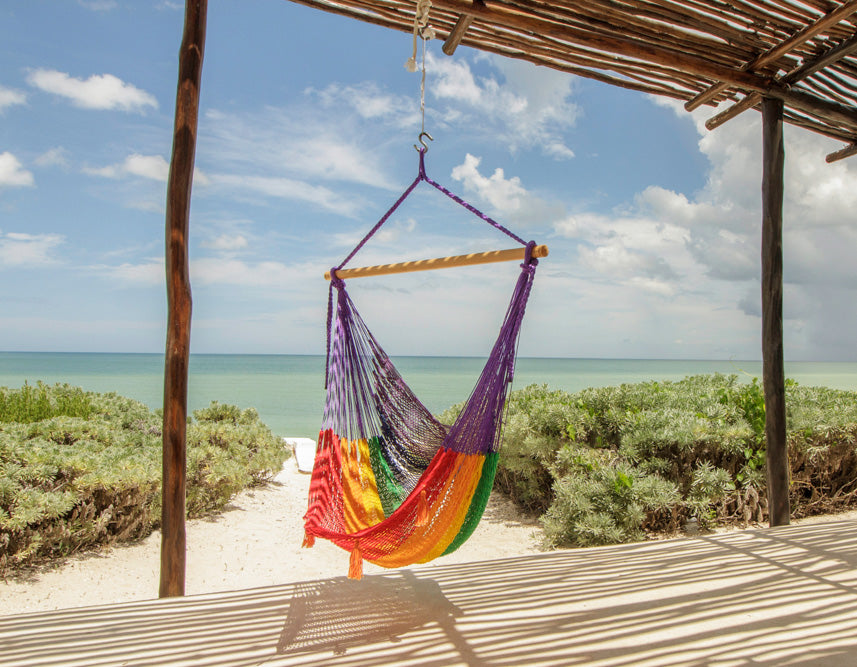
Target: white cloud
{"type": "Point", "coordinates": [616, 260]}
{"type": "Point", "coordinates": [104, 91]}
{"type": "Point", "coordinates": [215, 271]}
{"type": "Point", "coordinates": [149, 272]}
{"type": "Point", "coordinates": [702, 249]}
{"type": "Point", "coordinates": [287, 188]}
{"type": "Point", "coordinates": [507, 196]}
{"type": "Point", "coordinates": [55, 157]}
{"type": "Point", "coordinates": [634, 251]}
{"type": "Point", "coordinates": [10, 97]}
{"type": "Point", "coordinates": [295, 144]}
{"type": "Point", "coordinates": [28, 250]}
{"type": "Point", "coordinates": [531, 107]}
{"type": "Point", "coordinates": [12, 172]}
{"type": "Point", "coordinates": [370, 102]}
{"type": "Point", "coordinates": [502, 193]}
{"type": "Point", "coordinates": [226, 242]}
{"type": "Point", "coordinates": [152, 167]}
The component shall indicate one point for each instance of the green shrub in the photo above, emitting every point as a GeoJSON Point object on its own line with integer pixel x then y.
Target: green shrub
{"type": "Point", "coordinates": [608, 464]}
{"type": "Point", "coordinates": [31, 404]}
{"type": "Point", "coordinates": [601, 499]}
{"type": "Point", "coordinates": [68, 482]}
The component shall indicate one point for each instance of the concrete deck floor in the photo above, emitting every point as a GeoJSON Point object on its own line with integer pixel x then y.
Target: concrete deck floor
{"type": "Point", "coordinates": [783, 596]}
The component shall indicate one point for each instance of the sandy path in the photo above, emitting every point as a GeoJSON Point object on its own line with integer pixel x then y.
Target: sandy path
{"type": "Point", "coordinates": [255, 542]}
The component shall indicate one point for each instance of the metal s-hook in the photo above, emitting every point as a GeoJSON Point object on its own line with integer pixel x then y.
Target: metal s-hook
{"type": "Point", "coordinates": [422, 141]}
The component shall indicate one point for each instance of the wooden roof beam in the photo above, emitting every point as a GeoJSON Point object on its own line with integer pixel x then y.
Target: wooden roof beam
{"type": "Point", "coordinates": [457, 34]}
{"type": "Point", "coordinates": [458, 31]}
{"type": "Point", "coordinates": [843, 153]}
{"type": "Point", "coordinates": [778, 51]}
{"type": "Point", "coordinates": [807, 69]}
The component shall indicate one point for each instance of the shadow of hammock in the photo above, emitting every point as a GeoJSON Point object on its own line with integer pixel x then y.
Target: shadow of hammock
{"type": "Point", "coordinates": [337, 614]}
{"type": "Point", "coordinates": [784, 596]}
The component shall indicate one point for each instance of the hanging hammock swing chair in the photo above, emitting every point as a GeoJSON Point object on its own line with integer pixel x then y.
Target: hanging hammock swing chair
{"type": "Point", "coordinates": [390, 483]}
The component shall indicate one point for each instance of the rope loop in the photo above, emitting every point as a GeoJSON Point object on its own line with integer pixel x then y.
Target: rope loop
{"type": "Point", "coordinates": [530, 262]}
{"type": "Point", "coordinates": [422, 176]}
{"type": "Point", "coordinates": [335, 280]}
{"type": "Point", "coordinates": [421, 29]}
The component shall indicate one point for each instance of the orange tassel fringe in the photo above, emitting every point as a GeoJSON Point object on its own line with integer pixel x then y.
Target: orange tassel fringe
{"type": "Point", "coordinates": [355, 564]}
{"type": "Point", "coordinates": [309, 540]}
{"type": "Point", "coordinates": [422, 510]}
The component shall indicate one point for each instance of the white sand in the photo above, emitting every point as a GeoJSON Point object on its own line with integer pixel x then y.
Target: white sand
{"type": "Point", "coordinates": [255, 542]}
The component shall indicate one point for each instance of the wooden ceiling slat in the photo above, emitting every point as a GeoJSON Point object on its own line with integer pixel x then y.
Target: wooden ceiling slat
{"type": "Point", "coordinates": [850, 86]}
{"type": "Point", "coordinates": [835, 54]}
{"type": "Point", "coordinates": [782, 49]}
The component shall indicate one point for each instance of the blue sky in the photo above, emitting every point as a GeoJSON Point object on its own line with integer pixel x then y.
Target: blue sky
{"type": "Point", "coordinates": [306, 131]}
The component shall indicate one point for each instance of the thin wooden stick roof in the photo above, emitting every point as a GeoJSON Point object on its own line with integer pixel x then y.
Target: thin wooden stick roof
{"type": "Point", "coordinates": [803, 52]}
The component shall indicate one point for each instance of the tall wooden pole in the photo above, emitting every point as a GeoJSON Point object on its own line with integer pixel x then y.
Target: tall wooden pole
{"type": "Point", "coordinates": [173, 540]}
{"type": "Point", "coordinates": [772, 312]}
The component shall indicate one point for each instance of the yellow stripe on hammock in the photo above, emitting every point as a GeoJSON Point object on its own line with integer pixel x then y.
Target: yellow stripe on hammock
{"type": "Point", "coordinates": [361, 503]}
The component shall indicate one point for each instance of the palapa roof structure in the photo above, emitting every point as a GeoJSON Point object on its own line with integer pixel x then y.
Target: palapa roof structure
{"type": "Point", "coordinates": [803, 52]}
{"type": "Point", "coordinates": [796, 60]}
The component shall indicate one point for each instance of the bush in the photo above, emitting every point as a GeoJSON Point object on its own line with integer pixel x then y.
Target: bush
{"type": "Point", "coordinates": [31, 404]}
{"type": "Point", "coordinates": [601, 499]}
{"type": "Point", "coordinates": [79, 469]}
{"type": "Point", "coordinates": [612, 464]}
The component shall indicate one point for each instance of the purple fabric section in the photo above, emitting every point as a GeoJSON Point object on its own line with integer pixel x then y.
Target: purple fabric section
{"type": "Point", "coordinates": [479, 424]}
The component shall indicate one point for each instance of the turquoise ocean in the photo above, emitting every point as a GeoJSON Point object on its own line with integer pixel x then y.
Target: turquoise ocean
{"type": "Point", "coordinates": [288, 390]}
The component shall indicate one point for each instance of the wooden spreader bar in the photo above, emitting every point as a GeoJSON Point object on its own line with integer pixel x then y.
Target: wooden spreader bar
{"type": "Point", "coordinates": [440, 262]}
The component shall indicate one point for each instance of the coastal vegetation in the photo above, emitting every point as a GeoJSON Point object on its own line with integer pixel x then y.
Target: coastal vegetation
{"type": "Point", "coordinates": [617, 464]}
{"type": "Point", "coordinates": [80, 469]}
{"type": "Point", "coordinates": [604, 465]}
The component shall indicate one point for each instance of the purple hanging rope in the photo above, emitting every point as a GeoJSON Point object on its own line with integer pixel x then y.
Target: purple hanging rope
{"type": "Point", "coordinates": [422, 176]}
{"type": "Point", "coordinates": [459, 200]}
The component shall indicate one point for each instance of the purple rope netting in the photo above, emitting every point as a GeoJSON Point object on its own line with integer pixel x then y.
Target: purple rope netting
{"type": "Point", "coordinates": [366, 397]}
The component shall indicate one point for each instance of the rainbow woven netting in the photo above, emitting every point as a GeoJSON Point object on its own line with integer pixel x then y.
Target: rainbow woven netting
{"type": "Point", "coordinates": [390, 483]}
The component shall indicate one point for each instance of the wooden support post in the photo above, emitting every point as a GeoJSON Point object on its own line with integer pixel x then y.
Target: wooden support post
{"type": "Point", "coordinates": [173, 540]}
{"type": "Point", "coordinates": [772, 312]}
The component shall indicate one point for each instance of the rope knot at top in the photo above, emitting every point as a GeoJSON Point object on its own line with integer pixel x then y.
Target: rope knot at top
{"type": "Point", "coordinates": [530, 262]}
{"type": "Point", "coordinates": [335, 280]}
